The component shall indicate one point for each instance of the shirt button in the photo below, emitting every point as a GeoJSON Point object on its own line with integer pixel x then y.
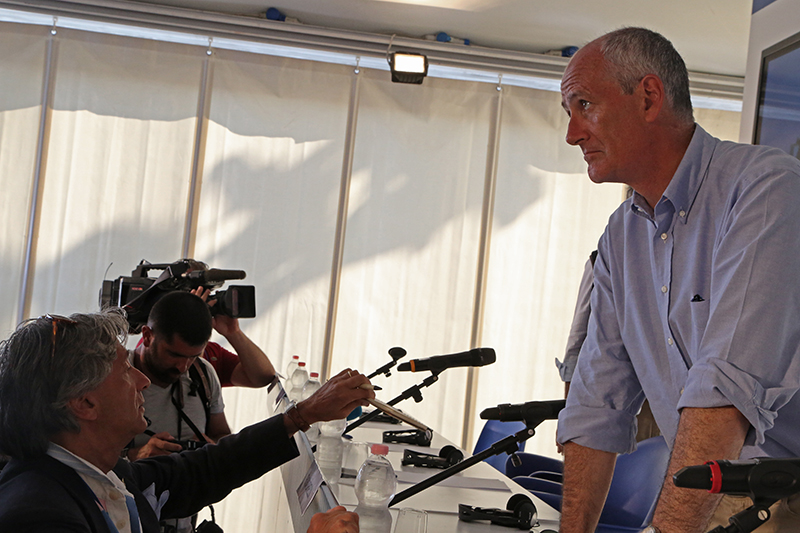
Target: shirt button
{"type": "Point", "coordinates": [669, 341]}
{"type": "Point", "coordinates": [681, 391]}
{"type": "Point", "coordinates": [664, 289]}
{"type": "Point", "coordinates": [663, 236]}
{"type": "Point", "coordinates": [682, 213]}
{"type": "Point", "coordinates": [121, 524]}
{"type": "Point", "coordinates": [114, 495]}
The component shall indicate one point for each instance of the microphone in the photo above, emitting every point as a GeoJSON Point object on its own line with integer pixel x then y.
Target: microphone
{"type": "Point", "coordinates": [474, 357]}
{"type": "Point", "coordinates": [547, 410]}
{"type": "Point", "coordinates": [217, 274]}
{"type": "Point", "coordinates": [762, 478]}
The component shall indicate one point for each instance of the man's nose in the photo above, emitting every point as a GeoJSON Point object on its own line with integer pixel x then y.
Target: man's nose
{"type": "Point", "coordinates": [184, 365]}
{"type": "Point", "coordinates": [576, 133]}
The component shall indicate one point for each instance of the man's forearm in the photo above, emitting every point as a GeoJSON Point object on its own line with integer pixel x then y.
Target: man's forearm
{"type": "Point", "coordinates": [256, 369]}
{"type": "Point", "coordinates": [587, 476]}
{"type": "Point", "coordinates": [703, 435]}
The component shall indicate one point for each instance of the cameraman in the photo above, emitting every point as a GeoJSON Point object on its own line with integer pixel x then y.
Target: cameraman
{"type": "Point", "coordinates": [184, 402]}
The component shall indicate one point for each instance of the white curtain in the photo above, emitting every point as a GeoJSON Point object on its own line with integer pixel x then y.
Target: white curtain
{"type": "Point", "coordinates": [117, 170]}
{"type": "Point", "coordinates": [412, 234]}
{"type": "Point", "coordinates": [117, 165]}
{"type": "Point", "coordinates": [269, 196]}
{"type": "Point", "coordinates": [22, 59]}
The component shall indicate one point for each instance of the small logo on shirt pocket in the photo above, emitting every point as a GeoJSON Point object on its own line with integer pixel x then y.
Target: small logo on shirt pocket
{"type": "Point", "coordinates": [698, 298]}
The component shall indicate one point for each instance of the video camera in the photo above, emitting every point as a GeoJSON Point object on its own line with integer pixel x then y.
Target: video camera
{"type": "Point", "coordinates": [138, 293]}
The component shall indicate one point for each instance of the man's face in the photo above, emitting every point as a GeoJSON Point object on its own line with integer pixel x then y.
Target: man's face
{"type": "Point", "coordinates": [604, 122]}
{"type": "Point", "coordinates": [119, 399]}
{"type": "Point", "coordinates": [167, 359]}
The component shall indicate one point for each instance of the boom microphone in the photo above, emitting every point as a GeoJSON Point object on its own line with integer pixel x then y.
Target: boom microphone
{"type": "Point", "coordinates": [474, 357]}
{"type": "Point", "coordinates": [547, 410]}
{"type": "Point", "coordinates": [762, 478]}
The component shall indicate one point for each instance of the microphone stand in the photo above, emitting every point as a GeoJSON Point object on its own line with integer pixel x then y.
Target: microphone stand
{"type": "Point", "coordinates": [412, 392]}
{"type": "Point", "coordinates": [749, 519]}
{"type": "Point", "coordinates": [508, 445]}
{"type": "Point", "coordinates": [397, 353]}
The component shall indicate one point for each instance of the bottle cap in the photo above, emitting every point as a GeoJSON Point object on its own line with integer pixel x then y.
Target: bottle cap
{"type": "Point", "coordinates": [314, 374]}
{"type": "Point", "coordinates": [379, 449]}
{"type": "Point", "coordinates": [295, 357]}
{"type": "Point", "coordinates": [301, 363]}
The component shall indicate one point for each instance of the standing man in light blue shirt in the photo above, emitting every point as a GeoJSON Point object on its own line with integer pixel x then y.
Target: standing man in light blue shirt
{"type": "Point", "coordinates": [696, 303]}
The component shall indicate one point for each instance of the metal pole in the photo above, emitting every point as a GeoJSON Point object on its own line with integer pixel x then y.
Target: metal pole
{"type": "Point", "coordinates": [341, 224]}
{"type": "Point", "coordinates": [487, 214]}
{"type": "Point", "coordinates": [35, 208]}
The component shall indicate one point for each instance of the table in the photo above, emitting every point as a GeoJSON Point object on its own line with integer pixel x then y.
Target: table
{"type": "Point", "coordinates": [480, 485]}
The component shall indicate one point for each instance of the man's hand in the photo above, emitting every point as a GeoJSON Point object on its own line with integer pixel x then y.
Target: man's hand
{"type": "Point", "coordinates": [159, 444]}
{"type": "Point", "coordinates": [337, 520]}
{"type": "Point", "coordinates": [337, 397]}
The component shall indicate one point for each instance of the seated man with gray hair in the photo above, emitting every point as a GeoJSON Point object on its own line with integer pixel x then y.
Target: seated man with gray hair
{"type": "Point", "coordinates": [70, 402]}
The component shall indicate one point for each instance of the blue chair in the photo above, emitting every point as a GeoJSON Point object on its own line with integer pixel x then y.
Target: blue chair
{"type": "Point", "coordinates": [631, 500]}
{"type": "Point", "coordinates": [493, 431]}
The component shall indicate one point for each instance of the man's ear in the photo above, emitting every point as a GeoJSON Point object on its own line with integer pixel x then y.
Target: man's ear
{"type": "Point", "coordinates": [84, 407]}
{"type": "Point", "coordinates": [654, 97]}
{"type": "Point", "coordinates": [147, 336]}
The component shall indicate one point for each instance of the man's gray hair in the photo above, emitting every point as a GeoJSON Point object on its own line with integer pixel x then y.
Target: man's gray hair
{"type": "Point", "coordinates": [39, 377]}
{"type": "Point", "coordinates": [633, 53]}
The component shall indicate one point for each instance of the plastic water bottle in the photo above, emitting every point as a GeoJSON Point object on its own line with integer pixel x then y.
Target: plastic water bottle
{"type": "Point", "coordinates": [311, 385]}
{"type": "Point", "coordinates": [292, 366]}
{"type": "Point", "coordinates": [375, 486]}
{"type": "Point", "coordinates": [299, 378]}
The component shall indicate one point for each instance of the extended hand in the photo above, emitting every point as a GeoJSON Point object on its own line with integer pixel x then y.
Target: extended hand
{"type": "Point", "coordinates": [337, 397]}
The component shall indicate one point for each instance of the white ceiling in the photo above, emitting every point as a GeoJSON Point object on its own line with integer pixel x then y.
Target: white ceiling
{"type": "Point", "coordinates": [712, 35]}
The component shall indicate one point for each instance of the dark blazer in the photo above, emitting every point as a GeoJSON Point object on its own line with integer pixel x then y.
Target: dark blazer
{"type": "Point", "coordinates": [45, 496]}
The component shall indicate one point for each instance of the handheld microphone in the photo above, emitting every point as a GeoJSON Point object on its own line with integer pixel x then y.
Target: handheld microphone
{"type": "Point", "coordinates": [506, 412]}
{"type": "Point", "coordinates": [762, 478]}
{"type": "Point", "coordinates": [474, 357]}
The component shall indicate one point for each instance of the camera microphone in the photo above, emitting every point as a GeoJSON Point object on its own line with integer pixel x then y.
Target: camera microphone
{"type": "Point", "coordinates": [217, 274]}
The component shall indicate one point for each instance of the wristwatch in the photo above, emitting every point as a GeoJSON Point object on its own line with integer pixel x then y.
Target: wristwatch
{"type": "Point", "coordinates": [651, 529]}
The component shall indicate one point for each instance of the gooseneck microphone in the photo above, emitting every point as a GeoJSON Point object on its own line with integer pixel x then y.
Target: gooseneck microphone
{"type": "Point", "coordinates": [474, 357]}
{"type": "Point", "coordinates": [545, 410]}
{"type": "Point", "coordinates": [764, 477]}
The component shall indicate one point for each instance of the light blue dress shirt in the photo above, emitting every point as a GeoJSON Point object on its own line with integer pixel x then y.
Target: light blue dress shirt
{"type": "Point", "coordinates": [696, 303]}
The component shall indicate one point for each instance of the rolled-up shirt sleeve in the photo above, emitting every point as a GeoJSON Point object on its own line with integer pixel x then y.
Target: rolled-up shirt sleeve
{"type": "Point", "coordinates": [605, 394]}
{"type": "Point", "coordinates": [749, 355]}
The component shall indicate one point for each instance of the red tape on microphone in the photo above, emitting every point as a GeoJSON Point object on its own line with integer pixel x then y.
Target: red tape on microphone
{"type": "Point", "coordinates": [716, 477]}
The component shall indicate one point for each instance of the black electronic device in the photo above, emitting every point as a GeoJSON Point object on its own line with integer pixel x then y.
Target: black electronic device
{"type": "Point", "coordinates": [417, 437]}
{"type": "Point", "coordinates": [448, 456]}
{"type": "Point", "coordinates": [138, 292]}
{"type": "Point", "coordinates": [474, 357]}
{"type": "Point", "coordinates": [520, 513]}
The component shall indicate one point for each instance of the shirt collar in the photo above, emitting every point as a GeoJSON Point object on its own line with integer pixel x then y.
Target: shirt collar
{"type": "Point", "coordinates": [685, 184]}
{"type": "Point", "coordinates": [85, 468]}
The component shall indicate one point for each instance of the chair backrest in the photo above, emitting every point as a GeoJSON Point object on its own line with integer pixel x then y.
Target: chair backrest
{"type": "Point", "coordinates": [637, 481]}
{"type": "Point", "coordinates": [494, 430]}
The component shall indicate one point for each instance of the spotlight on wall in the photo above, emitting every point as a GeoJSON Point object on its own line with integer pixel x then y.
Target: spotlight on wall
{"type": "Point", "coordinates": [408, 67]}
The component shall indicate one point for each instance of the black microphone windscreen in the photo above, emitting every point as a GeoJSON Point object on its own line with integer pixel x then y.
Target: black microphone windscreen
{"type": "Point", "coordinates": [216, 274]}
